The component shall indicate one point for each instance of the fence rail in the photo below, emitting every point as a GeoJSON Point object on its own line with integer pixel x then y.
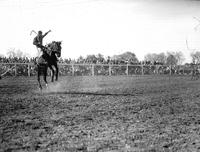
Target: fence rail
{"type": "Point", "coordinates": [30, 69]}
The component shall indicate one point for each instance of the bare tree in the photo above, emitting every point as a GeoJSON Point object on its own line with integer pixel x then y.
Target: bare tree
{"type": "Point", "coordinates": [127, 56]}
{"type": "Point", "coordinates": [180, 57]}
{"type": "Point", "coordinates": [171, 59]}
{"type": "Point", "coordinates": [196, 57]}
{"type": "Point", "coordinates": [80, 59]}
{"type": "Point", "coordinates": [177, 58]}
{"type": "Point", "coordinates": [100, 58]}
{"type": "Point", "coordinates": [12, 52]}
{"type": "Point", "coordinates": [91, 59]}
{"type": "Point", "coordinates": [150, 57]}
{"type": "Point", "coordinates": [153, 57]}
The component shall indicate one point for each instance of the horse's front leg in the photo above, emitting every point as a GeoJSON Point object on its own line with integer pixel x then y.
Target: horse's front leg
{"type": "Point", "coordinates": [56, 66]}
{"type": "Point", "coordinates": [52, 73]}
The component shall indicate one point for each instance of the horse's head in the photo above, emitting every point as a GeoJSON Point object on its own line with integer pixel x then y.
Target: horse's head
{"type": "Point", "coordinates": [55, 47]}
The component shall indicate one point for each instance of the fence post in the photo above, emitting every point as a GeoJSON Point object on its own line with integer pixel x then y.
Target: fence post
{"type": "Point", "coordinates": [29, 70]}
{"type": "Point", "coordinates": [157, 67]}
{"type": "Point", "coordinates": [72, 69]}
{"type": "Point", "coordinates": [15, 69]}
{"type": "Point", "coordinates": [170, 72]}
{"type": "Point", "coordinates": [92, 69]}
{"type": "Point", "coordinates": [127, 69]}
{"type": "Point", "coordinates": [110, 71]}
{"type": "Point", "coordinates": [142, 69]}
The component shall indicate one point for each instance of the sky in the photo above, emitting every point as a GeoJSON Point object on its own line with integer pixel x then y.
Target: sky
{"type": "Point", "coordinates": [109, 27]}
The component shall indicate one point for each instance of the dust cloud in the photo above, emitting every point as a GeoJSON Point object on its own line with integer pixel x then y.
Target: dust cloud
{"type": "Point", "coordinates": [83, 84]}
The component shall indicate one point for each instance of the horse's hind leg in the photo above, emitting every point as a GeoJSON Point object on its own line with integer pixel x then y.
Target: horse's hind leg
{"type": "Point", "coordinates": [45, 76]}
{"type": "Point", "coordinates": [38, 78]}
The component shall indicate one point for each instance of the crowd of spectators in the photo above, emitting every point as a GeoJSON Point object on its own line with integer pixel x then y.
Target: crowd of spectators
{"type": "Point", "coordinates": [78, 61]}
{"type": "Point", "coordinates": [16, 60]}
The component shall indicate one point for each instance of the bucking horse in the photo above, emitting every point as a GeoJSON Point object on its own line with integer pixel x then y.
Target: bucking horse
{"type": "Point", "coordinates": [48, 60]}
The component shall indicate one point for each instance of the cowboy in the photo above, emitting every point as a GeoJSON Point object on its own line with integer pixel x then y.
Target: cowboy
{"type": "Point", "coordinates": [38, 42]}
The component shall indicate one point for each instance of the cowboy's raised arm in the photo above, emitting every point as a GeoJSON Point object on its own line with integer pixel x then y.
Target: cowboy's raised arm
{"type": "Point", "coordinates": [46, 33]}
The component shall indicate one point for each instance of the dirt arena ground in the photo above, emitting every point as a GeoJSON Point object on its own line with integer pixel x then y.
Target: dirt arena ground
{"type": "Point", "coordinates": [100, 114]}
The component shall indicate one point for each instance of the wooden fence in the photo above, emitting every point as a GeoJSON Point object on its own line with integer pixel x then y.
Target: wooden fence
{"type": "Point", "coordinates": [99, 69]}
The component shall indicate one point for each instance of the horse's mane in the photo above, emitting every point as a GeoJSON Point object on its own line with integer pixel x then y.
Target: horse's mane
{"type": "Point", "coordinates": [53, 47]}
